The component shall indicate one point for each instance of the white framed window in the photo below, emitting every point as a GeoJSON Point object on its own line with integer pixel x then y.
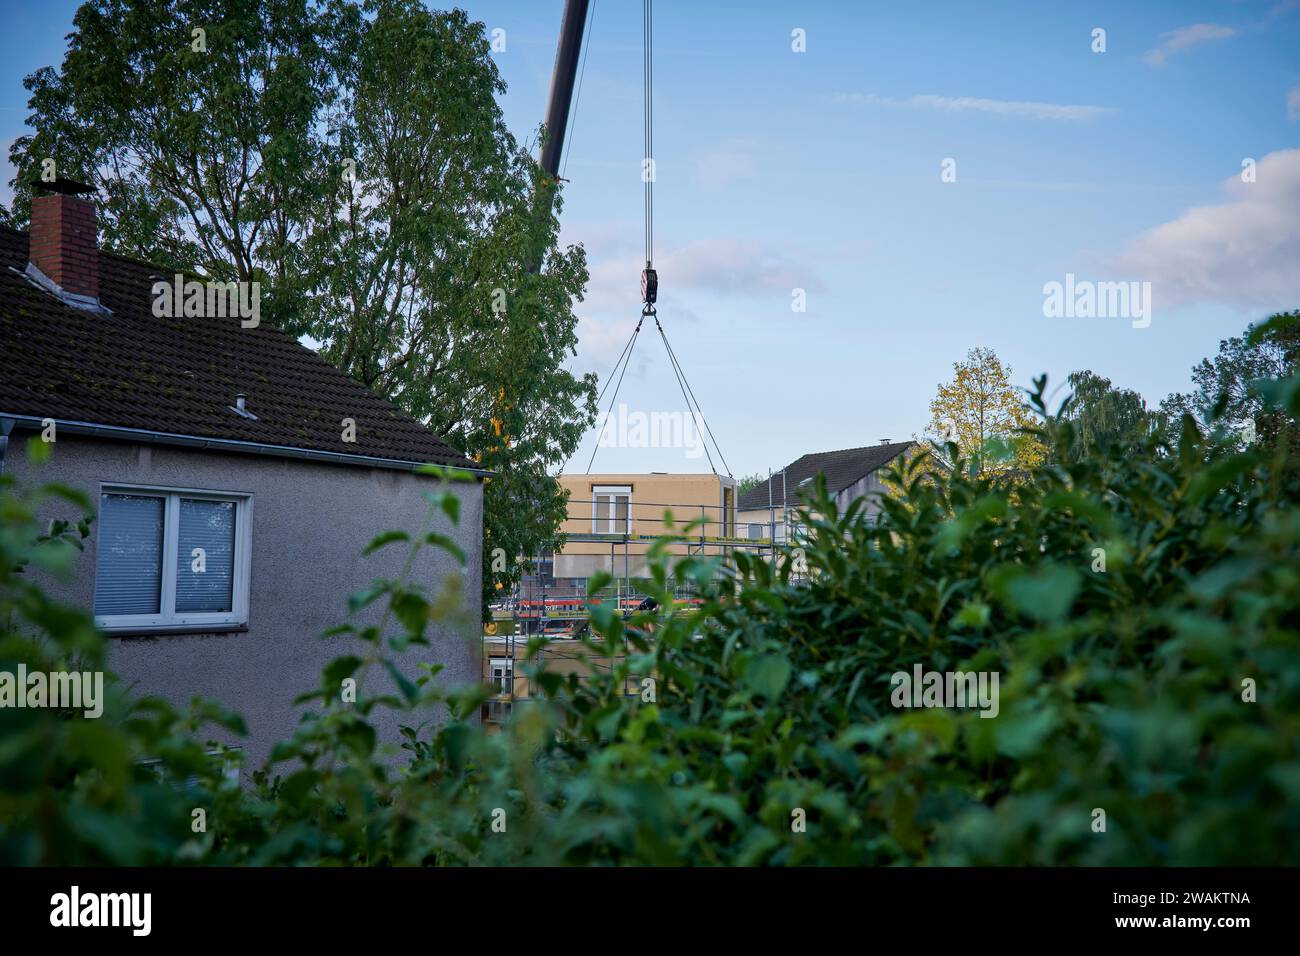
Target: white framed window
{"type": "Point", "coordinates": [611, 509]}
{"type": "Point", "coordinates": [171, 558]}
{"type": "Point", "coordinates": [501, 672]}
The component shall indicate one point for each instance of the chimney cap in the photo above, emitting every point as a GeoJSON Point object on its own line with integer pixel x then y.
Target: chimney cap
{"type": "Point", "coordinates": [63, 186]}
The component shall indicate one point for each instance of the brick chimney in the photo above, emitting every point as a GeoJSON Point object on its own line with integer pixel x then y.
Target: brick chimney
{"type": "Point", "coordinates": [63, 241]}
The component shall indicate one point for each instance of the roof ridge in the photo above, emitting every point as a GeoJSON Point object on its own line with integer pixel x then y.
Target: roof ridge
{"type": "Point", "coordinates": [836, 451]}
{"type": "Point", "coordinates": [173, 375]}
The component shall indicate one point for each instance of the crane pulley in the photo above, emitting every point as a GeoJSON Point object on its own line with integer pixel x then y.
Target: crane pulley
{"type": "Point", "coordinates": [649, 286]}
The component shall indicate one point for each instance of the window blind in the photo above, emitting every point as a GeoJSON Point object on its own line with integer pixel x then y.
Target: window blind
{"type": "Point", "coordinates": [128, 563]}
{"type": "Point", "coordinates": [209, 526]}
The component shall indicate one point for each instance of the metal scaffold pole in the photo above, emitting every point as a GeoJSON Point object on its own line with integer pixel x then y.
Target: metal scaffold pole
{"type": "Point", "coordinates": [771, 520]}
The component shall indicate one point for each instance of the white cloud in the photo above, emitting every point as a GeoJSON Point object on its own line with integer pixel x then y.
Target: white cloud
{"type": "Point", "coordinates": [601, 342]}
{"type": "Point", "coordinates": [1184, 38]}
{"type": "Point", "coordinates": [1024, 109]}
{"type": "Point", "coordinates": [1241, 252]}
{"type": "Point", "coordinates": [723, 265]}
{"type": "Point", "coordinates": [728, 266]}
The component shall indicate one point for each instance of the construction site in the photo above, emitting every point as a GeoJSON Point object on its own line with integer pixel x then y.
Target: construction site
{"type": "Point", "coordinates": [612, 523]}
{"type": "Point", "coordinates": [616, 521]}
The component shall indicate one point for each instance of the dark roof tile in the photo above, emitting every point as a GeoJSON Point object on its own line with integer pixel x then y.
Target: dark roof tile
{"type": "Point", "coordinates": [841, 468]}
{"type": "Point", "coordinates": [181, 375]}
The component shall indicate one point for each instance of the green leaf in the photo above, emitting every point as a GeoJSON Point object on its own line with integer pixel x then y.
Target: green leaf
{"type": "Point", "coordinates": [973, 614]}
{"type": "Point", "coordinates": [298, 786]}
{"type": "Point", "coordinates": [388, 537]}
{"type": "Point", "coordinates": [444, 542]}
{"type": "Point", "coordinates": [404, 684]}
{"type": "Point", "coordinates": [360, 599]}
{"type": "Point", "coordinates": [339, 669]}
{"type": "Point", "coordinates": [38, 451]}
{"type": "Point", "coordinates": [767, 675]}
{"type": "Point", "coordinates": [1044, 594]}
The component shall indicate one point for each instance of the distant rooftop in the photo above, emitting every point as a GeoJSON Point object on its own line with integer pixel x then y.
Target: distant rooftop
{"type": "Point", "coordinates": [841, 468]}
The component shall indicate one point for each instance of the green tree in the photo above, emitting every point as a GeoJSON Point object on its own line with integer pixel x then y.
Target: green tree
{"type": "Point", "coordinates": [1225, 393]}
{"type": "Point", "coordinates": [353, 159]}
{"type": "Point", "coordinates": [196, 123]}
{"type": "Point", "coordinates": [1104, 417]}
{"type": "Point", "coordinates": [425, 245]}
{"type": "Point", "coordinates": [980, 413]}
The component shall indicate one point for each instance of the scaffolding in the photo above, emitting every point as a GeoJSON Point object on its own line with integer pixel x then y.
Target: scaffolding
{"type": "Point", "coordinates": [538, 607]}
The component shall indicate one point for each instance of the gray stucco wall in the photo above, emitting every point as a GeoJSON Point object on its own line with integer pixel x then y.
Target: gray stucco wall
{"type": "Point", "coordinates": [868, 487]}
{"type": "Point", "coordinates": [310, 523]}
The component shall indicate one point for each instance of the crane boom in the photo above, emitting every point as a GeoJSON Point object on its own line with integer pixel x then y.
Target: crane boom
{"type": "Point", "coordinates": [572, 27]}
{"type": "Point", "coordinates": [562, 77]}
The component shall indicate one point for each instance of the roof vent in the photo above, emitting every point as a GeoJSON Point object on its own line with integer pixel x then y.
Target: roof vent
{"type": "Point", "coordinates": [884, 441]}
{"type": "Point", "coordinates": [239, 409]}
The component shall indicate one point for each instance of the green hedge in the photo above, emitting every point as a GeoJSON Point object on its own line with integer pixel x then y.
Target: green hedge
{"type": "Point", "coordinates": [771, 737]}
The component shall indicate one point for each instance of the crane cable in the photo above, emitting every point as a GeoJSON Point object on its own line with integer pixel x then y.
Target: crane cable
{"type": "Point", "coordinates": [647, 161]}
{"type": "Point", "coordinates": [626, 353]}
{"type": "Point", "coordinates": [682, 381]}
{"type": "Point", "coordinates": [650, 290]}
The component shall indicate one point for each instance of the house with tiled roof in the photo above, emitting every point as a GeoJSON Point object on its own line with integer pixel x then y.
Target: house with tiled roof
{"type": "Point", "coordinates": [237, 476]}
{"type": "Point", "coordinates": [851, 473]}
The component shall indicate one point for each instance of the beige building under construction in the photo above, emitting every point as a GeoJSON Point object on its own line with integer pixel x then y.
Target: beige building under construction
{"type": "Point", "coordinates": [614, 519]}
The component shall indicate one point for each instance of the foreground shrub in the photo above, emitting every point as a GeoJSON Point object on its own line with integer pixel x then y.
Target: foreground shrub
{"type": "Point", "coordinates": [120, 788]}
{"type": "Point", "coordinates": [1141, 612]}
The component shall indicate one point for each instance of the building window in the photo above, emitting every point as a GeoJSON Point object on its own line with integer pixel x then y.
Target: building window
{"type": "Point", "coordinates": [171, 559]}
{"type": "Point", "coordinates": [497, 711]}
{"type": "Point", "coordinates": [611, 509]}
{"type": "Point", "coordinates": [501, 673]}
{"type": "Point", "coordinates": [229, 768]}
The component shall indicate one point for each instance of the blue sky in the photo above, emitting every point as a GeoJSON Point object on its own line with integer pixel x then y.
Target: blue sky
{"type": "Point", "coordinates": [821, 170]}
